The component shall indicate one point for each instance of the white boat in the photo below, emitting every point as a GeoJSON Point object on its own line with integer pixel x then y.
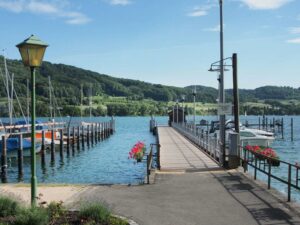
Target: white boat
{"type": "Point", "coordinates": [255, 137]}
{"type": "Point", "coordinates": [248, 136]}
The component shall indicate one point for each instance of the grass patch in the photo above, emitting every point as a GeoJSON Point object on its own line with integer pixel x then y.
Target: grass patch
{"type": "Point", "coordinates": [95, 213]}
{"type": "Point", "coordinates": [55, 214]}
{"type": "Point", "coordinates": [8, 207]}
{"type": "Point", "coordinates": [32, 216]}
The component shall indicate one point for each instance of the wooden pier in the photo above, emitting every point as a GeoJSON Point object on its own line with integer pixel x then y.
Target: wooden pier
{"type": "Point", "coordinates": [179, 154]}
{"type": "Point", "coordinates": [78, 137]}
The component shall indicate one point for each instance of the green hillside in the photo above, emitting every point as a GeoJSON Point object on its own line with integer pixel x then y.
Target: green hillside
{"type": "Point", "coordinates": [117, 96]}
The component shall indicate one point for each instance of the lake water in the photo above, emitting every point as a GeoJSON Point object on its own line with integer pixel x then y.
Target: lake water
{"type": "Point", "coordinates": [107, 162]}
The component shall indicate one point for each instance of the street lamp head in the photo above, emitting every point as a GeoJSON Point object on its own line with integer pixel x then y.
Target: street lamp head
{"type": "Point", "coordinates": [32, 51]}
{"type": "Point", "coordinates": [211, 70]}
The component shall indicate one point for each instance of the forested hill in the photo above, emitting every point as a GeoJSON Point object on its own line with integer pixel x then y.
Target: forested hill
{"type": "Point", "coordinates": [67, 82]}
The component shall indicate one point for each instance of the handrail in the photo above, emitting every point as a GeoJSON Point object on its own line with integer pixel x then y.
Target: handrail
{"type": "Point", "coordinates": [149, 165]}
{"type": "Point", "coordinates": [264, 165]}
{"type": "Point", "coordinates": [206, 142]}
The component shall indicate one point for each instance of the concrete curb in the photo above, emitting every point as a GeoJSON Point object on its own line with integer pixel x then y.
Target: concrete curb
{"type": "Point", "coordinates": [130, 221]}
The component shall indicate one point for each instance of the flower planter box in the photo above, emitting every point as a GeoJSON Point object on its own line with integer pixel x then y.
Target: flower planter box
{"type": "Point", "coordinates": [273, 162]}
{"type": "Point", "coordinates": [259, 156]}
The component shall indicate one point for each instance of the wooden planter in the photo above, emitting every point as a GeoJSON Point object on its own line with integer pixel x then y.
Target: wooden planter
{"type": "Point", "coordinates": [273, 162]}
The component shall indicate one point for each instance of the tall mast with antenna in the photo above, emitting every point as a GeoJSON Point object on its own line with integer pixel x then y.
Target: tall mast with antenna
{"type": "Point", "coordinates": [50, 98]}
{"type": "Point", "coordinates": [81, 96]}
{"type": "Point", "coordinates": [27, 100]}
{"type": "Point", "coordinates": [90, 102]}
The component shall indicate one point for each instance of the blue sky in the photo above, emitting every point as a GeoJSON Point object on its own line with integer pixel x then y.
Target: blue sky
{"type": "Point", "coordinates": [170, 42]}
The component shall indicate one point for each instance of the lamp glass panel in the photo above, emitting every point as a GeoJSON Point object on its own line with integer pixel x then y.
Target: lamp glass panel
{"type": "Point", "coordinates": [32, 55]}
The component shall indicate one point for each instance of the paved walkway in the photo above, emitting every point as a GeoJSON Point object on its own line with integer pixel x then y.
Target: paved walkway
{"type": "Point", "coordinates": [177, 153]}
{"type": "Point", "coordinates": [202, 198]}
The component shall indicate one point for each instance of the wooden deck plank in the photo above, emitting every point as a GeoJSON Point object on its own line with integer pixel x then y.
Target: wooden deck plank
{"type": "Point", "coordinates": [177, 153]}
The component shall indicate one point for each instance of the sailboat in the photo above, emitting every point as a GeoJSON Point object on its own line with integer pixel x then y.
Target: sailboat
{"type": "Point", "coordinates": [12, 141]}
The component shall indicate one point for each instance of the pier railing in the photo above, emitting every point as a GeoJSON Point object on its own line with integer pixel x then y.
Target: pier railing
{"type": "Point", "coordinates": [150, 160]}
{"type": "Point", "coordinates": [289, 173]}
{"type": "Point", "coordinates": [201, 138]}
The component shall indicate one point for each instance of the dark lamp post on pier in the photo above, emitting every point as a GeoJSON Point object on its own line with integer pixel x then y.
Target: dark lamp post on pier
{"type": "Point", "coordinates": [32, 51]}
{"type": "Point", "coordinates": [216, 67]}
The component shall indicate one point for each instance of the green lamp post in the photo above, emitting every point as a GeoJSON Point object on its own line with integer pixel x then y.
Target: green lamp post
{"type": "Point", "coordinates": [32, 52]}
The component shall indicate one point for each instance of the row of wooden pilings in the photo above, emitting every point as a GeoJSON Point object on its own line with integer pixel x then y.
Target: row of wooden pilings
{"type": "Point", "coordinates": [265, 123]}
{"type": "Point", "coordinates": [77, 137]}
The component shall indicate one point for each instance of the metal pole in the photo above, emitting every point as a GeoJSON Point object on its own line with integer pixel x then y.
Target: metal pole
{"type": "Point", "coordinates": [194, 119]}
{"type": "Point", "coordinates": [235, 93]}
{"type": "Point", "coordinates": [177, 113]}
{"type": "Point", "coordinates": [33, 156]}
{"type": "Point", "coordinates": [173, 114]}
{"type": "Point", "coordinates": [222, 94]}
{"type": "Point", "coordinates": [182, 112]}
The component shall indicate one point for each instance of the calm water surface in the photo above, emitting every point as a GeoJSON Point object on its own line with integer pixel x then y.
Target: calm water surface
{"type": "Point", "coordinates": [107, 162]}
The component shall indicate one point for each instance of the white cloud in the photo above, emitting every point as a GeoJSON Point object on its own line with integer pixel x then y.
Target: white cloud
{"type": "Point", "coordinates": [200, 10]}
{"type": "Point", "coordinates": [196, 13]}
{"type": "Point", "coordinates": [294, 30]}
{"type": "Point", "coordinates": [294, 41]}
{"type": "Point", "coordinates": [265, 4]}
{"type": "Point", "coordinates": [46, 8]}
{"type": "Point", "coordinates": [120, 2]}
{"type": "Point", "coordinates": [213, 29]}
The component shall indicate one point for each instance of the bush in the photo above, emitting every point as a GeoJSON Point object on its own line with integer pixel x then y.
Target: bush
{"type": "Point", "coordinates": [55, 210]}
{"type": "Point", "coordinates": [96, 213]}
{"type": "Point", "coordinates": [8, 207]}
{"type": "Point", "coordinates": [32, 216]}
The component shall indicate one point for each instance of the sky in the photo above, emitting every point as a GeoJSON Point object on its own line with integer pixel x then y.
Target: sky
{"type": "Point", "coordinates": [170, 42]}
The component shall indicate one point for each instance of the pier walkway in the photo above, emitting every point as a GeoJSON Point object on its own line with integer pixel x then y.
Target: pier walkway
{"type": "Point", "coordinates": [179, 154]}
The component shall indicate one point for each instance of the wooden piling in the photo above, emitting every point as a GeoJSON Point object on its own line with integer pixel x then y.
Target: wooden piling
{"type": "Point", "coordinates": [92, 134]}
{"type": "Point", "coordinates": [292, 129]}
{"type": "Point", "coordinates": [20, 156]}
{"type": "Point", "coordinates": [73, 140]}
{"type": "Point", "coordinates": [78, 138]}
{"type": "Point", "coordinates": [102, 131]}
{"type": "Point", "coordinates": [95, 133]}
{"type": "Point", "coordinates": [282, 128]}
{"type": "Point", "coordinates": [61, 144]}
{"type": "Point", "coordinates": [52, 150]}
{"type": "Point", "coordinates": [68, 140]}
{"type": "Point", "coordinates": [43, 149]}
{"type": "Point", "coordinates": [4, 160]}
{"type": "Point", "coordinates": [99, 132]}
{"type": "Point", "coordinates": [82, 137]}
{"type": "Point", "coordinates": [88, 135]}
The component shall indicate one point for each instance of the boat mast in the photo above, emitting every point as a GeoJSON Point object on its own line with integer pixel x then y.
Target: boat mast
{"type": "Point", "coordinates": [11, 98]}
{"type": "Point", "coordinates": [27, 100]}
{"type": "Point", "coordinates": [90, 102]}
{"type": "Point", "coordinates": [7, 91]}
{"type": "Point", "coordinates": [81, 96]}
{"type": "Point", "coordinates": [50, 98]}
